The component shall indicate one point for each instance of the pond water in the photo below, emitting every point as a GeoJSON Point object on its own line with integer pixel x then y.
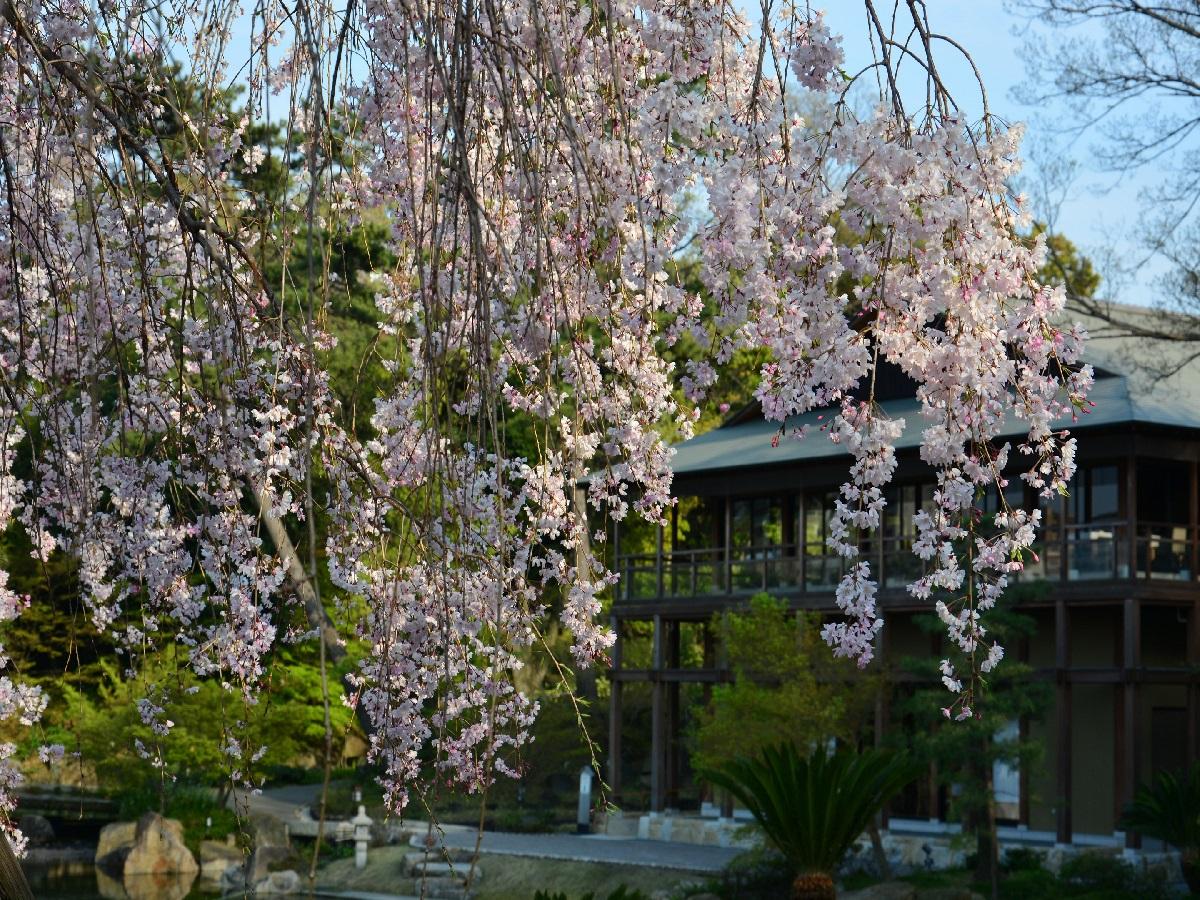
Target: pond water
{"type": "Point", "coordinates": [82, 881]}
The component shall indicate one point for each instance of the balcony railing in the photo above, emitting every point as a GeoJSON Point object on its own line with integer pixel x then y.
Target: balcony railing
{"type": "Point", "coordinates": [1079, 552]}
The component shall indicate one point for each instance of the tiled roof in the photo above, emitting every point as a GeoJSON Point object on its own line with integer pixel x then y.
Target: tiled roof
{"type": "Point", "coordinates": [1139, 380]}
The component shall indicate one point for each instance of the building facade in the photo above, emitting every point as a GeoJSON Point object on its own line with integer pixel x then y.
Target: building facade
{"type": "Point", "coordinates": [1117, 629]}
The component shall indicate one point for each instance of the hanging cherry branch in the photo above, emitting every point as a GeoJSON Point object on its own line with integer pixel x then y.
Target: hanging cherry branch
{"type": "Point", "coordinates": [530, 160]}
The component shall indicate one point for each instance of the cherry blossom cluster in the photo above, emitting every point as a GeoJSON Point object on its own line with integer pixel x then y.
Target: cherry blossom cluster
{"type": "Point", "coordinates": [532, 161]}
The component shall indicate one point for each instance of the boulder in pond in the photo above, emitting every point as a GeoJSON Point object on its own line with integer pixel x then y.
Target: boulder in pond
{"type": "Point", "coordinates": [218, 856]}
{"type": "Point", "coordinates": [286, 881]}
{"type": "Point", "coordinates": [268, 831]}
{"type": "Point", "coordinates": [37, 829]}
{"type": "Point", "coordinates": [158, 848]}
{"type": "Point", "coordinates": [116, 840]}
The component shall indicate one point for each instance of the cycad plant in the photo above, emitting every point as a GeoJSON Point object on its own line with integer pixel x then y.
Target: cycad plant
{"type": "Point", "coordinates": [1169, 809]}
{"type": "Point", "coordinates": [813, 807]}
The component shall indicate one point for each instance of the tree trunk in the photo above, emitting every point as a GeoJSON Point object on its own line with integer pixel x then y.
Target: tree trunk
{"type": "Point", "coordinates": [13, 885]}
{"type": "Point", "coordinates": [987, 861]}
{"type": "Point", "coordinates": [318, 618]}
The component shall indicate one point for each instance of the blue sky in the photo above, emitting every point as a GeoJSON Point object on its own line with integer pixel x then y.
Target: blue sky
{"type": "Point", "coordinates": [1099, 211]}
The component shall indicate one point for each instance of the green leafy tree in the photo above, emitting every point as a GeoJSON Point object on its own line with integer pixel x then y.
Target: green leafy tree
{"type": "Point", "coordinates": [786, 686]}
{"type": "Point", "coordinates": [965, 752]}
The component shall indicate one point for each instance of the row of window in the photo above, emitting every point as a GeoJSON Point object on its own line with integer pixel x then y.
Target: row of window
{"type": "Point", "coordinates": [759, 525]}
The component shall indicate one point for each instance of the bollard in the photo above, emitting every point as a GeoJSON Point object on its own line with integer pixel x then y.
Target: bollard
{"type": "Point", "coordinates": [583, 820]}
{"type": "Point", "coordinates": [362, 836]}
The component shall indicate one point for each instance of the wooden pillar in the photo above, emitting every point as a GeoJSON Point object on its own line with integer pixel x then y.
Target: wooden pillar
{"type": "Point", "coordinates": [658, 563]}
{"type": "Point", "coordinates": [1130, 664]}
{"type": "Point", "coordinates": [1023, 726]}
{"type": "Point", "coordinates": [614, 717]}
{"type": "Point", "coordinates": [622, 588]}
{"type": "Point", "coordinates": [728, 545]}
{"type": "Point", "coordinates": [1193, 689]}
{"type": "Point", "coordinates": [674, 745]}
{"type": "Point", "coordinates": [882, 702]}
{"type": "Point", "coordinates": [657, 721]}
{"type": "Point", "coordinates": [935, 794]}
{"type": "Point", "coordinates": [802, 540]}
{"type": "Point", "coordinates": [1193, 524]}
{"type": "Point", "coordinates": [1132, 519]}
{"type": "Point", "coordinates": [1062, 665]}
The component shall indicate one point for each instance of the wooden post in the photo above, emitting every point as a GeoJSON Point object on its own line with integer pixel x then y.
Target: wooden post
{"type": "Point", "coordinates": [622, 588]}
{"type": "Point", "coordinates": [1193, 524]}
{"type": "Point", "coordinates": [658, 564]}
{"type": "Point", "coordinates": [657, 713]}
{"type": "Point", "coordinates": [1131, 663]}
{"type": "Point", "coordinates": [1132, 518]}
{"type": "Point", "coordinates": [614, 718]}
{"type": "Point", "coordinates": [728, 545]}
{"type": "Point", "coordinates": [1193, 690]}
{"type": "Point", "coordinates": [1062, 644]}
{"type": "Point", "coordinates": [882, 709]}
{"type": "Point", "coordinates": [672, 742]}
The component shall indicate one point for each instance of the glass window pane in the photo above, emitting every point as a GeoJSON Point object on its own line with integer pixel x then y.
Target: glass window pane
{"type": "Point", "coordinates": [1104, 498]}
{"type": "Point", "coordinates": [1163, 489]}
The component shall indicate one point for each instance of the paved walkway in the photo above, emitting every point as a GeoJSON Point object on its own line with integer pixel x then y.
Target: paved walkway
{"type": "Point", "coordinates": [285, 803]}
{"type": "Point", "coordinates": [598, 848]}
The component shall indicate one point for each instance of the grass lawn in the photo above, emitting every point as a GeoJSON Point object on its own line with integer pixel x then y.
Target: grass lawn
{"type": "Point", "coordinates": [505, 877]}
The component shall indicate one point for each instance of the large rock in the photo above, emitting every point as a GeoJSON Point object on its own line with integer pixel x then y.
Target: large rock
{"type": "Point", "coordinates": [286, 881]}
{"type": "Point", "coordinates": [268, 831]}
{"type": "Point", "coordinates": [168, 886]}
{"type": "Point", "coordinates": [265, 860]}
{"type": "Point", "coordinates": [161, 886]}
{"type": "Point", "coordinates": [116, 840]}
{"type": "Point", "coordinates": [158, 848]}
{"type": "Point", "coordinates": [218, 856]}
{"type": "Point", "coordinates": [37, 829]}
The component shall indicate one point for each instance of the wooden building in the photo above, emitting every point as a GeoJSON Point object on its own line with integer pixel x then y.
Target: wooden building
{"type": "Point", "coordinates": [1118, 633]}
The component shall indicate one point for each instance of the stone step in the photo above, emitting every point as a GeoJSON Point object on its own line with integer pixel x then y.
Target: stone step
{"type": "Point", "coordinates": [435, 869]}
{"type": "Point", "coordinates": [438, 853]}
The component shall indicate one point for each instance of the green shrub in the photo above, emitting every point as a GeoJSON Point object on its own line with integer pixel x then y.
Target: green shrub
{"type": "Point", "coordinates": [1023, 859]}
{"type": "Point", "coordinates": [758, 873]}
{"type": "Point", "coordinates": [1087, 876]}
{"type": "Point", "coordinates": [1030, 884]}
{"type": "Point", "coordinates": [1099, 875]}
{"type": "Point", "coordinates": [812, 807]}
{"type": "Point", "coordinates": [1169, 809]}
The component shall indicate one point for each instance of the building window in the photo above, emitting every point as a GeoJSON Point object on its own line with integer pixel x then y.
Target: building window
{"type": "Point", "coordinates": [1006, 779]}
{"type": "Point", "coordinates": [757, 528]}
{"type": "Point", "coordinates": [900, 567]}
{"type": "Point", "coordinates": [822, 567]}
{"type": "Point", "coordinates": [1164, 539]}
{"type": "Point", "coordinates": [1095, 540]}
{"type": "Point", "coordinates": [757, 560]}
